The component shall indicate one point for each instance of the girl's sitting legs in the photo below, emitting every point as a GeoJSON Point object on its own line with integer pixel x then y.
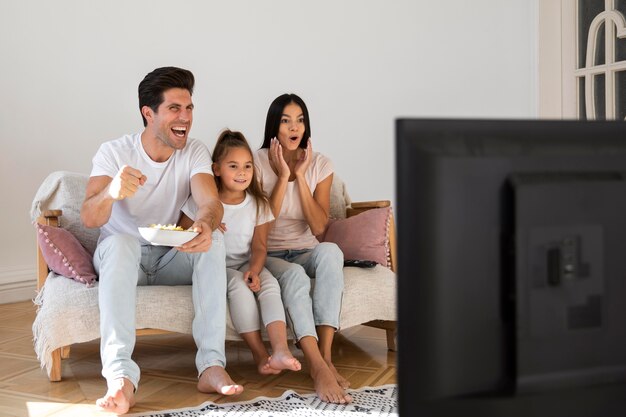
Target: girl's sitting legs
{"type": "Point", "coordinates": [245, 317]}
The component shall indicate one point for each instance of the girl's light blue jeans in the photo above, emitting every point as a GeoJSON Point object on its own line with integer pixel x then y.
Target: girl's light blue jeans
{"type": "Point", "coordinates": [122, 264]}
{"type": "Point", "coordinates": [293, 270]}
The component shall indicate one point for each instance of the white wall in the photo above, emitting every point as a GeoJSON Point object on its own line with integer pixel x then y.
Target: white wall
{"type": "Point", "coordinates": [70, 70]}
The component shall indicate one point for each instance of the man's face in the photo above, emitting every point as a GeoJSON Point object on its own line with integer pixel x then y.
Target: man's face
{"type": "Point", "coordinates": [172, 120]}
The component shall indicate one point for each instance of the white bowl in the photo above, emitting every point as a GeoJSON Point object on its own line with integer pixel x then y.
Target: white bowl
{"type": "Point", "coordinates": [160, 237]}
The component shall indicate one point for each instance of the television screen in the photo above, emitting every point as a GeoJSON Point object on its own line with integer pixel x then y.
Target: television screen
{"type": "Point", "coordinates": [511, 264]}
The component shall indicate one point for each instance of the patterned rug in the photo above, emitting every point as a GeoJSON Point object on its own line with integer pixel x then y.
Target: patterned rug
{"type": "Point", "coordinates": [367, 401]}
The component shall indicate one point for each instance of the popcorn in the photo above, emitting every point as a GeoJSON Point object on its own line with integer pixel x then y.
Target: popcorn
{"type": "Point", "coordinates": [166, 227]}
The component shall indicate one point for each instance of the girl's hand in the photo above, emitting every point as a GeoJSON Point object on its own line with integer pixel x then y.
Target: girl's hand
{"type": "Point", "coordinates": [304, 161]}
{"type": "Point", "coordinates": [277, 161]}
{"type": "Point", "coordinates": [253, 280]}
{"type": "Point", "coordinates": [222, 227]}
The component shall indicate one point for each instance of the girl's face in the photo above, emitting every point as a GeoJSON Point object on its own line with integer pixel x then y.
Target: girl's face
{"type": "Point", "coordinates": [235, 170]}
{"type": "Point", "coordinates": [291, 129]}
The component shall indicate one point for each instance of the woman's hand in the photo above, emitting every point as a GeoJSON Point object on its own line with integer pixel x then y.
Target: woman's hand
{"type": "Point", "coordinates": [304, 161]}
{"type": "Point", "coordinates": [253, 280]}
{"type": "Point", "coordinates": [277, 161]}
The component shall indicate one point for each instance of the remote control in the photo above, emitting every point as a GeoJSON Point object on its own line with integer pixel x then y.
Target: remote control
{"type": "Point", "coordinates": [359, 263]}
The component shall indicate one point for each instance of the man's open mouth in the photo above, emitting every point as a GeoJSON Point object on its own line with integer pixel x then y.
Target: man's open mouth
{"type": "Point", "coordinates": [179, 131]}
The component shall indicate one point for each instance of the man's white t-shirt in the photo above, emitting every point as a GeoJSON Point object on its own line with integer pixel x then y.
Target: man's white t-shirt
{"type": "Point", "coordinates": [240, 220]}
{"type": "Point", "coordinates": [168, 184]}
{"type": "Point", "coordinates": [291, 230]}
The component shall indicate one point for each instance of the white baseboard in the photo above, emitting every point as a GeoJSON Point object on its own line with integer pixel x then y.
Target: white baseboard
{"type": "Point", "coordinates": [17, 283]}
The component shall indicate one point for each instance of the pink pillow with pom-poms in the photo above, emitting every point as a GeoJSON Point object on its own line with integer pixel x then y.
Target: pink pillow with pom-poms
{"type": "Point", "coordinates": [364, 236]}
{"type": "Point", "coordinates": [64, 254]}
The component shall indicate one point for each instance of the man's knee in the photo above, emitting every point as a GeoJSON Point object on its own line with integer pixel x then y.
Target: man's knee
{"type": "Point", "coordinates": [117, 247]}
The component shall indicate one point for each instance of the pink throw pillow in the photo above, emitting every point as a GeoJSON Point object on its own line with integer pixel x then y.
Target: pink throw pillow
{"type": "Point", "coordinates": [364, 236]}
{"type": "Point", "coordinates": [64, 254]}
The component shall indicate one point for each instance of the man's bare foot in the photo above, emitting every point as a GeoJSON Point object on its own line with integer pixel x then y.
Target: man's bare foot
{"type": "Point", "coordinates": [215, 379]}
{"type": "Point", "coordinates": [327, 387]}
{"type": "Point", "coordinates": [343, 382]}
{"type": "Point", "coordinates": [281, 360]}
{"type": "Point", "coordinates": [120, 396]}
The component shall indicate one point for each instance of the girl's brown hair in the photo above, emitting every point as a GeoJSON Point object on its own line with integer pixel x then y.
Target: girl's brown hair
{"type": "Point", "coordinates": [227, 140]}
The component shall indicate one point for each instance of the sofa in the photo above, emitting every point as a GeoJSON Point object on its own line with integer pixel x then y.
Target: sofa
{"type": "Point", "coordinates": [67, 302]}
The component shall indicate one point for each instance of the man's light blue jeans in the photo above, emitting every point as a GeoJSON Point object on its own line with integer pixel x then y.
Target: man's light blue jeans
{"type": "Point", "coordinates": [293, 270]}
{"type": "Point", "coordinates": [122, 263]}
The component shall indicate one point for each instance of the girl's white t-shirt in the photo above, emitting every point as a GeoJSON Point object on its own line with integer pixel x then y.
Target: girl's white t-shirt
{"type": "Point", "coordinates": [240, 220]}
{"type": "Point", "coordinates": [291, 230]}
{"type": "Point", "coordinates": [167, 187]}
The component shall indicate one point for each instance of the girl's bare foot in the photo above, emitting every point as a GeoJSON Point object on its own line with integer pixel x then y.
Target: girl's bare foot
{"type": "Point", "coordinates": [120, 397]}
{"type": "Point", "coordinates": [281, 360]}
{"type": "Point", "coordinates": [327, 387]}
{"type": "Point", "coordinates": [343, 382]}
{"type": "Point", "coordinates": [264, 368]}
{"type": "Point", "coordinates": [215, 379]}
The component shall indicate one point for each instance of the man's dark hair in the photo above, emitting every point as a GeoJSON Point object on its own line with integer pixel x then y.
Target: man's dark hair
{"type": "Point", "coordinates": [152, 87]}
{"type": "Point", "coordinates": [275, 113]}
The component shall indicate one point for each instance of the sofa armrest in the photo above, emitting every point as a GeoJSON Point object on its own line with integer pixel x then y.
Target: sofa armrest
{"type": "Point", "coordinates": [50, 218]}
{"type": "Point", "coordinates": [360, 206]}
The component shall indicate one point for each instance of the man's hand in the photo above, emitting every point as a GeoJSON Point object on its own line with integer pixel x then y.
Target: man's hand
{"type": "Point", "coordinates": [200, 243]}
{"type": "Point", "coordinates": [126, 182]}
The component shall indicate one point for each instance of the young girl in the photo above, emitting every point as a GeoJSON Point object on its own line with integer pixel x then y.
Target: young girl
{"type": "Point", "coordinates": [246, 223]}
{"type": "Point", "coordinates": [299, 181]}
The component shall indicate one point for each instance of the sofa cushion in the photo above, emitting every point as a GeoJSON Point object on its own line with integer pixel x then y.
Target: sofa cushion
{"type": "Point", "coordinates": [64, 190]}
{"type": "Point", "coordinates": [364, 236]}
{"type": "Point", "coordinates": [64, 254]}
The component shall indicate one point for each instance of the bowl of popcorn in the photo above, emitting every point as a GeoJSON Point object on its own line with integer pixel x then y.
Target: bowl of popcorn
{"type": "Point", "coordinates": [166, 234]}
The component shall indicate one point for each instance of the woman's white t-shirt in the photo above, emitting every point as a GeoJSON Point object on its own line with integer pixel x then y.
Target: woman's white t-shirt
{"type": "Point", "coordinates": [291, 230]}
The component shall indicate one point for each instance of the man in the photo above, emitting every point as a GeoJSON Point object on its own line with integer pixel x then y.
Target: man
{"type": "Point", "coordinates": [144, 179]}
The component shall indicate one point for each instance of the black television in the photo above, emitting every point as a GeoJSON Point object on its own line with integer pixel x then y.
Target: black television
{"type": "Point", "coordinates": [511, 267]}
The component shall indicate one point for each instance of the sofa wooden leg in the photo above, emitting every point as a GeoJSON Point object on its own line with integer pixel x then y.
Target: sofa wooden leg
{"type": "Point", "coordinates": [55, 366]}
{"type": "Point", "coordinates": [391, 339]}
{"type": "Point", "coordinates": [65, 352]}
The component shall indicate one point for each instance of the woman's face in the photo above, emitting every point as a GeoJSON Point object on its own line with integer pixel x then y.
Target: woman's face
{"type": "Point", "coordinates": [291, 129]}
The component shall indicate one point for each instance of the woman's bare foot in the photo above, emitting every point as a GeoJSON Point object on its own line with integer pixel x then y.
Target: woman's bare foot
{"type": "Point", "coordinates": [215, 379]}
{"type": "Point", "coordinates": [327, 387]}
{"type": "Point", "coordinates": [120, 397]}
{"type": "Point", "coordinates": [281, 360]}
{"type": "Point", "coordinates": [343, 382]}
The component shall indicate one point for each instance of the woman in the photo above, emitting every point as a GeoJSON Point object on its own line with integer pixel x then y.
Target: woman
{"type": "Point", "coordinates": [298, 182]}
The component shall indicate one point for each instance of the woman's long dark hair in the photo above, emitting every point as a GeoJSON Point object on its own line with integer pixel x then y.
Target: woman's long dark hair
{"type": "Point", "coordinates": [275, 113]}
{"type": "Point", "coordinates": [226, 141]}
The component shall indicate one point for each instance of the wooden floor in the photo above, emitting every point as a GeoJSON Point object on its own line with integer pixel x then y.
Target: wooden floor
{"type": "Point", "coordinates": [168, 370]}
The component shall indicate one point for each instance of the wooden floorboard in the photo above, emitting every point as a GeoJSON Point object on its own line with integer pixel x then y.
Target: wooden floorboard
{"type": "Point", "coordinates": [168, 372]}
